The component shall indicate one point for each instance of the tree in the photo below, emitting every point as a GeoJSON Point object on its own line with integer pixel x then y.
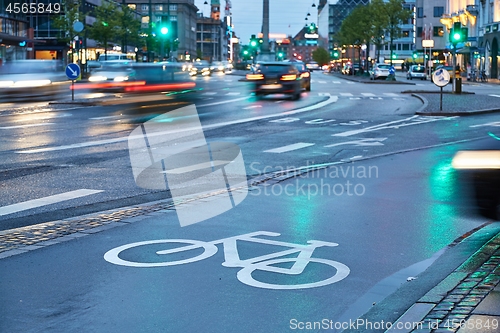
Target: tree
{"type": "Point", "coordinates": [321, 56]}
{"type": "Point", "coordinates": [396, 15]}
{"type": "Point", "coordinates": [129, 28]}
{"type": "Point", "coordinates": [65, 22]}
{"type": "Point", "coordinates": [379, 21]}
{"type": "Point", "coordinates": [106, 25]}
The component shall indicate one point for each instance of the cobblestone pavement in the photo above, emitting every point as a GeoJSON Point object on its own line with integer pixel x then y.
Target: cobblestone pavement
{"type": "Point", "coordinates": [461, 103]}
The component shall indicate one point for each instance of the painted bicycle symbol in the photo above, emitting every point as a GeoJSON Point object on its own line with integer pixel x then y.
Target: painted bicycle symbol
{"type": "Point", "coordinates": [266, 263]}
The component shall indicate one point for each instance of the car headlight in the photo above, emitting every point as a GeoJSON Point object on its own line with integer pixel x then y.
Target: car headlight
{"type": "Point", "coordinates": [221, 68]}
{"type": "Point", "coordinates": [120, 78]}
{"type": "Point", "coordinates": [32, 83]}
{"type": "Point", "coordinates": [205, 69]}
{"type": "Point", "coordinates": [4, 84]}
{"type": "Point", "coordinates": [96, 78]}
{"type": "Point", "coordinates": [487, 159]}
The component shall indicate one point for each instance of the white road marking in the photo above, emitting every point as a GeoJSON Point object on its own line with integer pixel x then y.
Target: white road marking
{"type": "Point", "coordinates": [108, 117]}
{"type": "Point", "coordinates": [391, 124]}
{"type": "Point", "coordinates": [354, 98]}
{"type": "Point", "coordinates": [291, 147]}
{"type": "Point", "coordinates": [319, 121]}
{"type": "Point", "coordinates": [368, 94]}
{"type": "Point", "coordinates": [494, 95]}
{"type": "Point", "coordinates": [233, 94]}
{"type": "Point", "coordinates": [15, 208]}
{"type": "Point", "coordinates": [252, 107]}
{"type": "Point", "coordinates": [336, 82]}
{"type": "Point", "coordinates": [222, 102]}
{"type": "Point", "coordinates": [354, 122]}
{"type": "Point", "coordinates": [346, 94]}
{"type": "Point", "coordinates": [322, 82]}
{"type": "Point", "coordinates": [376, 98]}
{"type": "Point", "coordinates": [351, 83]}
{"type": "Point", "coordinates": [330, 100]}
{"type": "Point", "coordinates": [209, 93]}
{"type": "Point", "coordinates": [285, 120]}
{"type": "Point", "coordinates": [25, 126]}
{"type": "Point", "coordinates": [362, 142]}
{"type": "Point", "coordinates": [494, 124]}
{"type": "Point", "coordinates": [391, 94]}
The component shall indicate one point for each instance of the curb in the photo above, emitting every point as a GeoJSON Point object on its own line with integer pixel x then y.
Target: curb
{"type": "Point", "coordinates": [421, 111]}
{"type": "Point", "coordinates": [423, 100]}
{"type": "Point", "coordinates": [447, 306]}
{"type": "Point", "coordinates": [435, 92]}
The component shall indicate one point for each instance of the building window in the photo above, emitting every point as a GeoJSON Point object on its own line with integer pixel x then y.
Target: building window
{"type": "Point", "coordinates": [158, 8]}
{"type": "Point", "coordinates": [173, 8]}
{"type": "Point", "coordinates": [438, 31]}
{"type": "Point", "coordinates": [406, 33]}
{"type": "Point", "coordinates": [438, 11]}
{"type": "Point", "coordinates": [173, 18]}
{"type": "Point", "coordinates": [406, 47]}
{"type": "Point", "coordinates": [419, 31]}
{"type": "Point", "coordinates": [132, 6]}
{"type": "Point", "coordinates": [144, 8]}
{"type": "Point", "coordinates": [420, 12]}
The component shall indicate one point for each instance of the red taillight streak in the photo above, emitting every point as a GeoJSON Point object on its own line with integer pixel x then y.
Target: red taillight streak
{"type": "Point", "coordinates": [161, 87]}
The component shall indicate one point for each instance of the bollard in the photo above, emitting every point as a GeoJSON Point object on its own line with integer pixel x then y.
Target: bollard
{"type": "Point", "coordinates": [458, 85]}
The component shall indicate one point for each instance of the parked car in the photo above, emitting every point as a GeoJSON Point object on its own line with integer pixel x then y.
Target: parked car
{"type": "Point", "coordinates": [417, 72]}
{"type": "Point", "coordinates": [351, 69]}
{"type": "Point", "coordinates": [217, 67]}
{"type": "Point", "coordinates": [276, 78]}
{"type": "Point", "coordinates": [313, 66]}
{"type": "Point", "coordinates": [379, 71]}
{"type": "Point", "coordinates": [305, 74]}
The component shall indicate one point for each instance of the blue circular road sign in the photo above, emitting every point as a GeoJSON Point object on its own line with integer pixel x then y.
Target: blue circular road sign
{"type": "Point", "coordinates": [72, 71]}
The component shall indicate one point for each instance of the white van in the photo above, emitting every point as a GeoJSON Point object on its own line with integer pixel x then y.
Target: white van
{"type": "Point", "coordinates": [113, 56]}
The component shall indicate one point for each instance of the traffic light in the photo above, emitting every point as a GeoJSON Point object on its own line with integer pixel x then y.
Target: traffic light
{"type": "Point", "coordinates": [458, 34]}
{"type": "Point", "coordinates": [253, 41]}
{"type": "Point", "coordinates": [164, 30]}
{"type": "Point", "coordinates": [312, 28]}
{"type": "Point", "coordinates": [394, 56]}
{"type": "Point", "coordinates": [23, 43]}
{"type": "Point", "coordinates": [477, 55]}
{"type": "Point", "coordinates": [415, 55]}
{"type": "Point", "coordinates": [335, 54]}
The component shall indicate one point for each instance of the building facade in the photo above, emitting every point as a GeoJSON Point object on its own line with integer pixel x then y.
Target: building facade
{"type": "Point", "coordinates": [15, 41]}
{"type": "Point", "coordinates": [428, 15]}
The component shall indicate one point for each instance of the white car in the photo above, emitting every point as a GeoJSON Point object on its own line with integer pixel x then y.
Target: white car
{"type": "Point", "coordinates": [417, 72]}
{"type": "Point", "coordinates": [380, 71]}
{"type": "Point", "coordinates": [25, 79]}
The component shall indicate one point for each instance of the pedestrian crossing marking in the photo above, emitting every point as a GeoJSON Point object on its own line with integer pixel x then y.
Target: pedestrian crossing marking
{"type": "Point", "coordinates": [346, 94]}
{"type": "Point", "coordinates": [368, 94]}
{"type": "Point", "coordinates": [391, 94]}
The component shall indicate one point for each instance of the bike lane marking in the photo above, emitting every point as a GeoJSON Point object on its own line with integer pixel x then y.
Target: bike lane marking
{"type": "Point", "coordinates": [35, 203]}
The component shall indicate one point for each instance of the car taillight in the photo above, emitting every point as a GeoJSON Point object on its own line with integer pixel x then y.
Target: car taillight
{"type": "Point", "coordinates": [288, 77]}
{"type": "Point", "coordinates": [255, 76]}
{"type": "Point", "coordinates": [305, 74]}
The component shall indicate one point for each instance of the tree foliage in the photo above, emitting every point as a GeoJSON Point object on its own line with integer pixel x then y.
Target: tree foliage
{"type": "Point", "coordinates": [65, 22]}
{"type": "Point", "coordinates": [321, 56]}
{"type": "Point", "coordinates": [373, 22]}
{"type": "Point", "coordinates": [105, 28]}
{"type": "Point", "coordinates": [129, 27]}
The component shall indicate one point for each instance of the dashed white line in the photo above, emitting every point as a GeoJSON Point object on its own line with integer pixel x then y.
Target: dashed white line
{"type": "Point", "coordinates": [284, 149]}
{"type": "Point", "coordinates": [346, 94]}
{"type": "Point", "coordinates": [391, 94]}
{"type": "Point", "coordinates": [336, 82]}
{"type": "Point", "coordinates": [233, 94]}
{"type": "Point", "coordinates": [15, 208]}
{"type": "Point", "coordinates": [494, 95]}
{"type": "Point", "coordinates": [368, 94]}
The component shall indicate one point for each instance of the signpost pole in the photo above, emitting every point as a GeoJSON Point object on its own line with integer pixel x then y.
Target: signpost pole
{"type": "Point", "coordinates": [441, 100]}
{"type": "Point", "coordinates": [73, 90]}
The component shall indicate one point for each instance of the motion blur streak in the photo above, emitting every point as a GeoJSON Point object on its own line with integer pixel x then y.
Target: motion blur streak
{"type": "Point", "coordinates": [160, 87]}
{"type": "Point", "coordinates": [487, 159]}
{"type": "Point", "coordinates": [107, 85]}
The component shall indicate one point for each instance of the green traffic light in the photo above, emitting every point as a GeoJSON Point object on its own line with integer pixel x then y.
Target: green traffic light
{"type": "Point", "coordinates": [415, 56]}
{"type": "Point", "coordinates": [245, 52]}
{"type": "Point", "coordinates": [105, 24]}
{"type": "Point", "coordinates": [164, 30]}
{"type": "Point", "coordinates": [457, 36]}
{"type": "Point", "coordinates": [394, 56]}
{"type": "Point", "coordinates": [253, 43]}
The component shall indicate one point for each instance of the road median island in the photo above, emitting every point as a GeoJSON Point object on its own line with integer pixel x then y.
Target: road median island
{"type": "Point", "coordinates": [455, 104]}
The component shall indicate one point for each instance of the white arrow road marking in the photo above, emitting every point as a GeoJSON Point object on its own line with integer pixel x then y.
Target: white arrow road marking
{"type": "Point", "coordinates": [362, 142]}
{"type": "Point", "coordinates": [391, 124]}
{"type": "Point", "coordinates": [354, 122]}
{"type": "Point", "coordinates": [284, 120]}
{"type": "Point", "coordinates": [11, 209]}
{"type": "Point", "coordinates": [284, 149]}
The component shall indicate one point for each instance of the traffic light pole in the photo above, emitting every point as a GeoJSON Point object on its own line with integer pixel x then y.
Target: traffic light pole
{"type": "Point", "coordinates": [454, 55]}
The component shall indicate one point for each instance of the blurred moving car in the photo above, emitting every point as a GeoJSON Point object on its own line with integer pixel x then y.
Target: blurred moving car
{"type": "Point", "coordinates": [112, 56]}
{"type": "Point", "coordinates": [305, 74]}
{"type": "Point", "coordinates": [139, 77]}
{"type": "Point", "coordinates": [276, 78]}
{"type": "Point", "coordinates": [21, 79]}
{"type": "Point", "coordinates": [480, 169]}
{"type": "Point", "coordinates": [417, 72]}
{"type": "Point", "coordinates": [313, 66]}
{"type": "Point", "coordinates": [217, 67]}
{"type": "Point", "coordinates": [200, 67]}
{"type": "Point", "coordinates": [228, 66]}
{"type": "Point", "coordinates": [112, 75]}
{"type": "Point", "coordinates": [379, 71]}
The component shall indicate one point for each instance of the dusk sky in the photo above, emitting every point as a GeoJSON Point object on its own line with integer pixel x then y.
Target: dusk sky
{"type": "Point", "coordinates": [286, 16]}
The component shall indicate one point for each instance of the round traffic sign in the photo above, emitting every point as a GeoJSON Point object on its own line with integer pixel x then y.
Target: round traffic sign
{"type": "Point", "coordinates": [78, 26]}
{"type": "Point", "coordinates": [441, 77]}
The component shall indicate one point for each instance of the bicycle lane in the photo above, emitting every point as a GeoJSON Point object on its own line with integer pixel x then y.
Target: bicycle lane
{"type": "Point", "coordinates": [380, 230]}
